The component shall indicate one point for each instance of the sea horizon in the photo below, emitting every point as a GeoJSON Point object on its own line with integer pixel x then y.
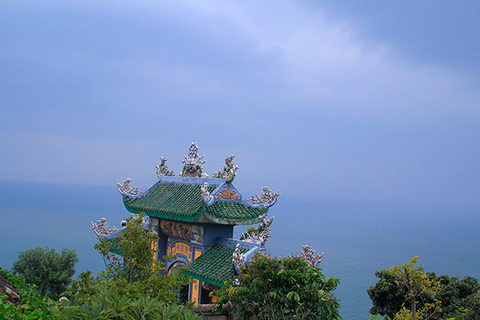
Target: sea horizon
{"type": "Point", "coordinates": [357, 238]}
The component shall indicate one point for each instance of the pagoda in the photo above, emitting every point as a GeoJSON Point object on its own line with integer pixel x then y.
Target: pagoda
{"type": "Point", "coordinates": [194, 215]}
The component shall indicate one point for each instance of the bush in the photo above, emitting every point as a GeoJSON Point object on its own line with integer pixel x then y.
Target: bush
{"type": "Point", "coordinates": [136, 288]}
{"type": "Point", "coordinates": [452, 298]}
{"type": "Point", "coordinates": [32, 304]}
{"type": "Point", "coordinates": [112, 306]}
{"type": "Point", "coordinates": [138, 274]}
{"type": "Point", "coordinates": [51, 271]}
{"type": "Point", "coordinates": [279, 288]}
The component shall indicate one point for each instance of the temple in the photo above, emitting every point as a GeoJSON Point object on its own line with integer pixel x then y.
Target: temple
{"type": "Point", "coordinates": [194, 216]}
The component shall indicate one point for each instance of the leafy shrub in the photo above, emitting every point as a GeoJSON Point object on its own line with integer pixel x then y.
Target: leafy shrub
{"type": "Point", "coordinates": [452, 298]}
{"type": "Point", "coordinates": [51, 271]}
{"type": "Point", "coordinates": [279, 288]}
{"type": "Point", "coordinates": [32, 304]}
{"type": "Point", "coordinates": [136, 288]}
{"type": "Point", "coordinates": [114, 307]}
{"type": "Point", "coordinates": [138, 274]}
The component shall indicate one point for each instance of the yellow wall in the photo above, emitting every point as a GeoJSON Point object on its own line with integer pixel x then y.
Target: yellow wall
{"type": "Point", "coordinates": [198, 253]}
{"type": "Point", "coordinates": [195, 297]}
{"type": "Point", "coordinates": [195, 291]}
{"type": "Point", "coordinates": [181, 248]}
{"type": "Point", "coordinates": [154, 246]}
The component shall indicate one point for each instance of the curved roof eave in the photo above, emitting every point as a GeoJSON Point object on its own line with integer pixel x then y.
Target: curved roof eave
{"type": "Point", "coordinates": [169, 216]}
{"type": "Point", "coordinates": [230, 221]}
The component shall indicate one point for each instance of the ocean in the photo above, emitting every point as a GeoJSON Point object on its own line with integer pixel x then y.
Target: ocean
{"type": "Point", "coordinates": [356, 238]}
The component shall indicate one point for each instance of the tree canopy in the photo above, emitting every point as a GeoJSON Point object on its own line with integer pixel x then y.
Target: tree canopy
{"type": "Point", "coordinates": [136, 288]}
{"type": "Point", "coordinates": [449, 297]}
{"type": "Point", "coordinates": [139, 274]}
{"type": "Point", "coordinates": [281, 288]}
{"type": "Point", "coordinates": [50, 270]}
{"type": "Point", "coordinates": [387, 296]}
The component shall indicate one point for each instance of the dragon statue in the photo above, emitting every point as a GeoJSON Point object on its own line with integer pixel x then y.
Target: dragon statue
{"type": "Point", "coordinates": [101, 228]}
{"type": "Point", "coordinates": [162, 168]}
{"type": "Point", "coordinates": [268, 198]}
{"type": "Point", "coordinates": [238, 259]}
{"type": "Point", "coordinates": [125, 188]}
{"type": "Point", "coordinates": [260, 234]}
{"type": "Point", "coordinates": [309, 255]}
{"type": "Point", "coordinates": [228, 170]}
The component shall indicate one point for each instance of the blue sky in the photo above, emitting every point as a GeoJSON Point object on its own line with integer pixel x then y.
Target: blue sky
{"type": "Point", "coordinates": [370, 101]}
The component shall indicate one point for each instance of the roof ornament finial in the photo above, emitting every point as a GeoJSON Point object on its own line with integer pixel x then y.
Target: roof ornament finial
{"type": "Point", "coordinates": [136, 216]}
{"type": "Point", "coordinates": [237, 259]}
{"type": "Point", "coordinates": [162, 168]}
{"type": "Point", "coordinates": [192, 165]}
{"type": "Point", "coordinates": [268, 198]}
{"type": "Point", "coordinates": [308, 255]}
{"type": "Point", "coordinates": [126, 189]}
{"type": "Point", "coordinates": [228, 170]}
{"type": "Point", "coordinates": [206, 197]}
{"type": "Point", "coordinates": [101, 228]}
{"type": "Point", "coordinates": [260, 234]}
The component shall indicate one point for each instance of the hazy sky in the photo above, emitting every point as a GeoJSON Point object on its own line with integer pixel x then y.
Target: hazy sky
{"type": "Point", "coordinates": [374, 101]}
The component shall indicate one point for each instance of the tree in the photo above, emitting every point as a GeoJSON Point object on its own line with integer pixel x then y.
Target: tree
{"type": "Point", "coordinates": [279, 288]}
{"type": "Point", "coordinates": [421, 290]}
{"type": "Point", "coordinates": [459, 298]}
{"type": "Point", "coordinates": [136, 288]}
{"type": "Point", "coordinates": [101, 307]}
{"type": "Point", "coordinates": [387, 296]}
{"type": "Point", "coordinates": [418, 285]}
{"type": "Point", "coordinates": [138, 275]}
{"type": "Point", "coordinates": [469, 310]}
{"type": "Point", "coordinates": [51, 271]}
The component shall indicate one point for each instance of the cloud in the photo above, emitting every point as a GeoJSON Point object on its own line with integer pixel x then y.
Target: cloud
{"type": "Point", "coordinates": [302, 98]}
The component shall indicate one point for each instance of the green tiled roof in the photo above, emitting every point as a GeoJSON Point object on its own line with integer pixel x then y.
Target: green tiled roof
{"type": "Point", "coordinates": [170, 201]}
{"type": "Point", "coordinates": [114, 245]}
{"type": "Point", "coordinates": [214, 265]}
{"type": "Point", "coordinates": [232, 212]}
{"type": "Point", "coordinates": [183, 202]}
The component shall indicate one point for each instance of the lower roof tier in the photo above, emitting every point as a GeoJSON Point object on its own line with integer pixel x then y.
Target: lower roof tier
{"type": "Point", "coordinates": [214, 266]}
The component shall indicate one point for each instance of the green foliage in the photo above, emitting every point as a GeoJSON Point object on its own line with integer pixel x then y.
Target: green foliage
{"type": "Point", "coordinates": [387, 296]}
{"type": "Point", "coordinates": [33, 305]}
{"type": "Point", "coordinates": [418, 285]}
{"type": "Point", "coordinates": [51, 271]}
{"type": "Point", "coordinates": [84, 287]}
{"type": "Point", "coordinates": [136, 288]}
{"type": "Point", "coordinates": [111, 306]}
{"type": "Point", "coordinates": [470, 308]}
{"type": "Point", "coordinates": [138, 275]}
{"type": "Point", "coordinates": [449, 297]}
{"type": "Point", "coordinates": [97, 298]}
{"type": "Point", "coordinates": [459, 298]}
{"type": "Point", "coordinates": [279, 288]}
